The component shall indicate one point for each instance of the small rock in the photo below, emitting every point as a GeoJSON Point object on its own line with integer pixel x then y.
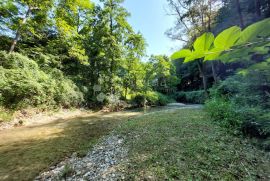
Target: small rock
{"type": "Point", "coordinates": [98, 164]}
{"type": "Point", "coordinates": [52, 167]}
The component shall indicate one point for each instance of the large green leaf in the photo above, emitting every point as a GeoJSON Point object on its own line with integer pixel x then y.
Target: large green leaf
{"type": "Point", "coordinates": [194, 56]}
{"type": "Point", "coordinates": [227, 38]}
{"type": "Point", "coordinates": [224, 41]}
{"type": "Point", "coordinates": [255, 31]}
{"type": "Point", "coordinates": [181, 54]}
{"type": "Point", "coordinates": [213, 54]}
{"type": "Point", "coordinates": [203, 43]}
{"type": "Point", "coordinates": [201, 46]}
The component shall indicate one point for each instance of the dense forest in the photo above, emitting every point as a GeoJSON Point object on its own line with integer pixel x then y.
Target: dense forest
{"type": "Point", "coordinates": [77, 54]}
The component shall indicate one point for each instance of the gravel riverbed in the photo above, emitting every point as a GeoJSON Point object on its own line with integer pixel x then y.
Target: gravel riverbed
{"type": "Point", "coordinates": [102, 163]}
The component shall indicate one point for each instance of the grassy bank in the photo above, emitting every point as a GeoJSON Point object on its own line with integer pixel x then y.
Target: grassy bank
{"type": "Point", "coordinates": [185, 145]}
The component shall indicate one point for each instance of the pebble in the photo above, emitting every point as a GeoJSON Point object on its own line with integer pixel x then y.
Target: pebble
{"type": "Point", "coordinates": [99, 164]}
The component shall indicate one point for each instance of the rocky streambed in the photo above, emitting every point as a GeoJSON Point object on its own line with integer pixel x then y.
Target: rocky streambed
{"type": "Point", "coordinates": [102, 163]}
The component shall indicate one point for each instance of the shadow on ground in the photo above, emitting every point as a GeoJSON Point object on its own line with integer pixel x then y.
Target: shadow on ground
{"type": "Point", "coordinates": [27, 151]}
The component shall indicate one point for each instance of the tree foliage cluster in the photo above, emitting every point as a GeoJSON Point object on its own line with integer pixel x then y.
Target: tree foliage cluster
{"type": "Point", "coordinates": [23, 83]}
{"type": "Point", "coordinates": [74, 53]}
{"type": "Point", "coordinates": [193, 15]}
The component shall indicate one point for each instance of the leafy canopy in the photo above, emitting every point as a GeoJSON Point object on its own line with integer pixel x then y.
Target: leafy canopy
{"type": "Point", "coordinates": [210, 48]}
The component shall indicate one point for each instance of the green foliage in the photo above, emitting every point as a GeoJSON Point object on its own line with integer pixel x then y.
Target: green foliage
{"type": "Point", "coordinates": [194, 97]}
{"type": "Point", "coordinates": [251, 121]}
{"type": "Point", "coordinates": [255, 32]}
{"type": "Point", "coordinates": [139, 100]}
{"type": "Point", "coordinates": [203, 43]}
{"type": "Point", "coordinates": [242, 101]}
{"type": "Point", "coordinates": [161, 73]}
{"type": "Point", "coordinates": [181, 54]}
{"type": "Point", "coordinates": [210, 48]}
{"type": "Point", "coordinates": [260, 128]}
{"type": "Point", "coordinates": [224, 113]}
{"type": "Point", "coordinates": [150, 98]}
{"type": "Point", "coordinates": [201, 46]}
{"type": "Point", "coordinates": [227, 38]}
{"type": "Point", "coordinates": [224, 41]}
{"type": "Point", "coordinates": [247, 90]}
{"type": "Point", "coordinates": [23, 84]}
{"type": "Point", "coordinates": [156, 98]}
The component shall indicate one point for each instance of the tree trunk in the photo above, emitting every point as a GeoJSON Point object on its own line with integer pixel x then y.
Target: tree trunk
{"type": "Point", "coordinates": [203, 74]}
{"type": "Point", "coordinates": [258, 9]}
{"type": "Point", "coordinates": [202, 19]}
{"type": "Point", "coordinates": [214, 72]}
{"type": "Point", "coordinates": [17, 36]}
{"type": "Point", "coordinates": [204, 82]}
{"type": "Point", "coordinates": [209, 15]}
{"type": "Point", "coordinates": [210, 29]}
{"type": "Point", "coordinates": [126, 89]}
{"type": "Point", "coordinates": [239, 11]}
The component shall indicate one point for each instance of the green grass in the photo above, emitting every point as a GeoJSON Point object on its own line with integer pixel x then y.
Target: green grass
{"type": "Point", "coordinates": [185, 145]}
{"type": "Point", "coordinates": [169, 145]}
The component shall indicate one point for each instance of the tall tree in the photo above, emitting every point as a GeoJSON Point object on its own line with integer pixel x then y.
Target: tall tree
{"type": "Point", "coordinates": [114, 16]}
{"type": "Point", "coordinates": [19, 17]}
{"type": "Point", "coordinates": [71, 18]}
{"type": "Point", "coordinates": [133, 67]}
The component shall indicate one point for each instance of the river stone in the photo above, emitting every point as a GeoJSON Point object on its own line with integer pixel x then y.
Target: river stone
{"type": "Point", "coordinates": [99, 164]}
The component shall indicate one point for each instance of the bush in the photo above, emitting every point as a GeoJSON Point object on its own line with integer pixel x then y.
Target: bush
{"type": "Point", "coordinates": [151, 98]}
{"type": "Point", "coordinates": [163, 100]}
{"type": "Point", "coordinates": [194, 97]}
{"type": "Point", "coordinates": [139, 100]}
{"type": "Point", "coordinates": [224, 112]}
{"type": "Point", "coordinates": [23, 83]}
{"type": "Point", "coordinates": [241, 103]}
{"type": "Point", "coordinates": [251, 121]}
{"type": "Point", "coordinates": [259, 127]}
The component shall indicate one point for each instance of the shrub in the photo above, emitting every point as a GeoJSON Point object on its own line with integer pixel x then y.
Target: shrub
{"type": "Point", "coordinates": [223, 112]}
{"type": "Point", "coordinates": [194, 97]}
{"type": "Point", "coordinates": [163, 100]}
{"type": "Point", "coordinates": [150, 98]}
{"type": "Point", "coordinates": [240, 103]}
{"type": "Point", "coordinates": [23, 83]}
{"type": "Point", "coordinates": [251, 90]}
{"type": "Point", "coordinates": [16, 60]}
{"type": "Point", "coordinates": [139, 100]}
